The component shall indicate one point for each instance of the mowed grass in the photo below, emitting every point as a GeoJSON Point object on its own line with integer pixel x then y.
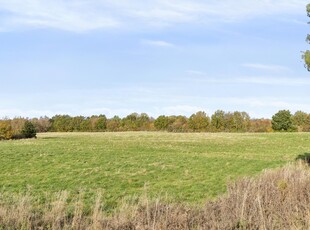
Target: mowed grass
{"type": "Point", "coordinates": [186, 167]}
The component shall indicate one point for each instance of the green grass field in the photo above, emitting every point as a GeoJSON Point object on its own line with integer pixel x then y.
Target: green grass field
{"type": "Point", "coordinates": [187, 167]}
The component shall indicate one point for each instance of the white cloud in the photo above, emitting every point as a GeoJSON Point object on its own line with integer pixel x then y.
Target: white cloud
{"type": "Point", "coordinates": [81, 15]}
{"type": "Point", "coordinates": [158, 43]}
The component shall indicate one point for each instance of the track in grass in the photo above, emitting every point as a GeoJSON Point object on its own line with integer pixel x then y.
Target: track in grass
{"type": "Point", "coordinates": [187, 167]}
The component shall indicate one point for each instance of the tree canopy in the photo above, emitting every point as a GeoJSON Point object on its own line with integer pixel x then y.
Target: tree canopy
{"type": "Point", "coordinates": [282, 121]}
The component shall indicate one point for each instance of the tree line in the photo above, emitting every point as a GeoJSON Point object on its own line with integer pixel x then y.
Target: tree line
{"type": "Point", "coordinates": [220, 121]}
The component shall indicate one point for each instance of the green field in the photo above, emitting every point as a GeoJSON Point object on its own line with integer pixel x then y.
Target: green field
{"type": "Point", "coordinates": [187, 167]}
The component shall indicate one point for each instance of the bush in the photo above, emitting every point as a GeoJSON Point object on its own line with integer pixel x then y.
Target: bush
{"type": "Point", "coordinates": [5, 130]}
{"type": "Point", "coordinates": [29, 130]}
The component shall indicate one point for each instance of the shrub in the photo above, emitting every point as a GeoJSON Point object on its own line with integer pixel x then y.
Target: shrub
{"type": "Point", "coordinates": [29, 130]}
{"type": "Point", "coordinates": [6, 132]}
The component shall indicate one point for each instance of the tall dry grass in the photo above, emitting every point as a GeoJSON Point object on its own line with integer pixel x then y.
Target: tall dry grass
{"type": "Point", "coordinates": [276, 199]}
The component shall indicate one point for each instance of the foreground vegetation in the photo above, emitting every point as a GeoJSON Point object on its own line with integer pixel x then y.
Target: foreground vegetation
{"type": "Point", "coordinates": [186, 167]}
{"type": "Point", "coordinates": [276, 199]}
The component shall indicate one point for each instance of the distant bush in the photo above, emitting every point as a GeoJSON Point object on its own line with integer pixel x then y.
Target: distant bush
{"type": "Point", "coordinates": [42, 124]}
{"type": "Point", "coordinates": [6, 131]}
{"type": "Point", "coordinates": [260, 125]}
{"type": "Point", "coordinates": [29, 130]}
{"type": "Point", "coordinates": [304, 157]}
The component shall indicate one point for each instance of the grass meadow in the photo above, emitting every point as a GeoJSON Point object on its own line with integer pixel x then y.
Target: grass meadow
{"type": "Point", "coordinates": [184, 167]}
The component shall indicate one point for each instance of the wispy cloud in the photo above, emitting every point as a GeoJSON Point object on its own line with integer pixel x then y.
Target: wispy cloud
{"type": "Point", "coordinates": [258, 80]}
{"type": "Point", "coordinates": [158, 43]}
{"type": "Point", "coordinates": [195, 72]}
{"type": "Point", "coordinates": [264, 67]}
{"type": "Point", "coordinates": [284, 81]}
{"type": "Point", "coordinates": [294, 21]}
{"type": "Point", "coordinates": [80, 15]}
{"type": "Point", "coordinates": [199, 11]}
{"type": "Point", "coordinates": [77, 16]}
{"type": "Point", "coordinates": [269, 102]}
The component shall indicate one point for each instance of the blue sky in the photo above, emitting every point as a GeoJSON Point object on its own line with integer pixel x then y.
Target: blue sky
{"type": "Point", "coordinates": [116, 57]}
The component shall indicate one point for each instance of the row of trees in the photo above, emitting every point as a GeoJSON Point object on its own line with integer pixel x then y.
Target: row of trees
{"type": "Point", "coordinates": [220, 121]}
{"type": "Point", "coordinates": [285, 121]}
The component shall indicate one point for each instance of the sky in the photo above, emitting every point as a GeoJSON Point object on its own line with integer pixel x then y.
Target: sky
{"type": "Point", "coordinates": [161, 57]}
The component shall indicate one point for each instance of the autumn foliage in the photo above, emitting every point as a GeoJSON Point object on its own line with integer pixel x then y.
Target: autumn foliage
{"type": "Point", "coordinates": [220, 121]}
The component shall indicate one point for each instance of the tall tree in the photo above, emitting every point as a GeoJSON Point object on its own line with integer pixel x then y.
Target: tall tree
{"type": "Point", "coordinates": [282, 121]}
{"type": "Point", "coordinates": [218, 121]}
{"type": "Point", "coordinates": [161, 123]}
{"type": "Point", "coordinates": [306, 54]}
{"type": "Point", "coordinates": [101, 123]}
{"type": "Point", "coordinates": [239, 121]}
{"type": "Point", "coordinates": [5, 130]}
{"type": "Point", "coordinates": [129, 123]}
{"type": "Point", "coordinates": [300, 120]}
{"type": "Point", "coordinates": [199, 121]}
{"type": "Point", "coordinates": [114, 124]}
{"type": "Point", "coordinates": [143, 121]}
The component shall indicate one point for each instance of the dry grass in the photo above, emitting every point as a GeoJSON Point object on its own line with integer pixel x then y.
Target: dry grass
{"type": "Point", "coordinates": [276, 199]}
